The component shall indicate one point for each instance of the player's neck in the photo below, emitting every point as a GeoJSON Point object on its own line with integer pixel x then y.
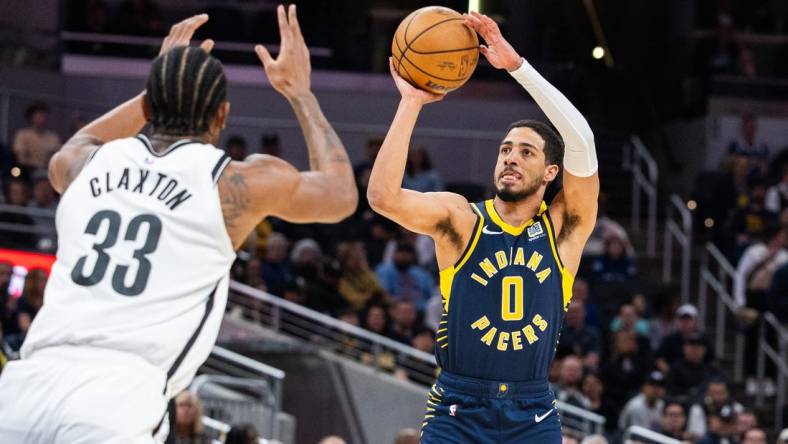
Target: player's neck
{"type": "Point", "coordinates": [161, 142]}
{"type": "Point", "coordinates": [517, 213]}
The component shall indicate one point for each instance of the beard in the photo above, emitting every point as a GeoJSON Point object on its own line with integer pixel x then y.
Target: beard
{"type": "Point", "coordinates": [506, 194]}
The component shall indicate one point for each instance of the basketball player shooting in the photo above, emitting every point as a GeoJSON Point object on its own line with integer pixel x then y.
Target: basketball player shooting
{"type": "Point", "coordinates": [507, 264]}
{"type": "Point", "coordinates": [148, 228]}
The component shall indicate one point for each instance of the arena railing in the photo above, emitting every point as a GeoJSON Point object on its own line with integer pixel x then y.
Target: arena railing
{"type": "Point", "coordinates": [772, 333]}
{"type": "Point", "coordinates": [717, 274]}
{"type": "Point", "coordinates": [357, 343]}
{"type": "Point", "coordinates": [682, 234]}
{"type": "Point", "coordinates": [645, 176]}
{"type": "Point", "coordinates": [235, 371]}
{"type": "Point", "coordinates": [638, 434]}
{"type": "Point", "coordinates": [220, 430]}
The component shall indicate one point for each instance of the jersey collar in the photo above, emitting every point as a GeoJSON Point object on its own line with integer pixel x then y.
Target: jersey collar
{"type": "Point", "coordinates": [511, 229]}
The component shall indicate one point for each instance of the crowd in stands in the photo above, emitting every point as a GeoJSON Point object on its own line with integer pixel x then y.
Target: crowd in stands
{"type": "Point", "coordinates": [629, 351]}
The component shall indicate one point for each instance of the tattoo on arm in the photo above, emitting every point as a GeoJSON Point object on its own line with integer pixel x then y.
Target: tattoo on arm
{"type": "Point", "coordinates": [234, 198]}
{"type": "Point", "coordinates": [571, 221]}
{"type": "Point", "coordinates": [322, 141]}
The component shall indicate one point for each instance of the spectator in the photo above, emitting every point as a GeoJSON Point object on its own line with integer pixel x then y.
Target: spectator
{"type": "Point", "coordinates": [614, 265]}
{"type": "Point", "coordinates": [17, 193]}
{"type": "Point", "coordinates": [243, 434]}
{"type": "Point", "coordinates": [568, 388]}
{"type": "Point", "coordinates": [721, 427]}
{"type": "Point", "coordinates": [358, 284]}
{"type": "Point", "coordinates": [674, 421]}
{"type": "Point", "coordinates": [594, 390]}
{"type": "Point", "coordinates": [778, 294]}
{"type": "Point", "coordinates": [236, 148]}
{"type": "Point", "coordinates": [605, 228]}
{"type": "Point", "coordinates": [748, 224]}
{"type": "Point", "coordinates": [645, 409]}
{"type": "Point", "coordinates": [333, 439]}
{"type": "Point", "coordinates": [404, 321]}
{"type": "Point", "coordinates": [754, 436]}
{"type": "Point", "coordinates": [717, 396]}
{"type": "Point", "coordinates": [757, 266]}
{"type": "Point", "coordinates": [567, 439]}
{"type": "Point", "coordinates": [671, 349]}
{"type": "Point", "coordinates": [424, 340]}
{"type": "Point", "coordinates": [407, 436]}
{"type": "Point", "coordinates": [7, 303]}
{"type": "Point", "coordinates": [363, 168]}
{"type": "Point", "coordinates": [274, 268]}
{"type": "Point", "coordinates": [419, 173]}
{"type": "Point", "coordinates": [782, 438]}
{"type": "Point", "coordinates": [594, 439]}
{"type": "Point", "coordinates": [29, 304]}
{"type": "Point", "coordinates": [269, 144]}
{"type": "Point", "coordinates": [188, 420]}
{"type": "Point", "coordinates": [627, 367]}
{"type": "Point", "coordinates": [294, 293]}
{"type": "Point", "coordinates": [745, 420]}
{"type": "Point", "coordinates": [252, 275]}
{"type": "Point", "coordinates": [777, 196]}
{"type": "Point", "coordinates": [376, 319]}
{"type": "Point", "coordinates": [44, 198]}
{"type": "Point", "coordinates": [35, 144]}
{"type": "Point", "coordinates": [664, 323]}
{"type": "Point", "coordinates": [747, 145]}
{"type": "Point", "coordinates": [580, 292]}
{"type": "Point", "coordinates": [691, 372]}
{"type": "Point", "coordinates": [628, 319]}
{"type": "Point", "coordinates": [579, 339]}
{"type": "Point", "coordinates": [404, 280]}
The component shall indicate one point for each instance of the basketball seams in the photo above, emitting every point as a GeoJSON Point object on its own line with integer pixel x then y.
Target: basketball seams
{"type": "Point", "coordinates": [443, 50]}
{"type": "Point", "coordinates": [433, 75]}
{"type": "Point", "coordinates": [423, 31]}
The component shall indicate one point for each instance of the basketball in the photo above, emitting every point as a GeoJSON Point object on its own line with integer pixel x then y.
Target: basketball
{"type": "Point", "coordinates": [434, 50]}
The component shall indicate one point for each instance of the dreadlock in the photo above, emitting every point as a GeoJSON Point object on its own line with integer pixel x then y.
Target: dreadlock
{"type": "Point", "coordinates": [185, 88]}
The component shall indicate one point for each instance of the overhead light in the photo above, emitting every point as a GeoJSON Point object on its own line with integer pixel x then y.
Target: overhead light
{"type": "Point", "coordinates": [709, 222]}
{"type": "Point", "coordinates": [16, 172]}
{"type": "Point", "coordinates": [598, 52]}
{"type": "Point", "coordinates": [691, 204]}
{"type": "Point", "coordinates": [474, 5]}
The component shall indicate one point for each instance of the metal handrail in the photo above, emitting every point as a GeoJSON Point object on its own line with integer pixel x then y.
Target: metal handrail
{"type": "Point", "coordinates": [643, 181]}
{"type": "Point", "coordinates": [722, 285]}
{"type": "Point", "coordinates": [329, 322]}
{"type": "Point", "coordinates": [779, 358]}
{"type": "Point", "coordinates": [592, 422]}
{"type": "Point", "coordinates": [683, 236]}
{"type": "Point", "coordinates": [650, 435]}
{"type": "Point", "coordinates": [224, 429]}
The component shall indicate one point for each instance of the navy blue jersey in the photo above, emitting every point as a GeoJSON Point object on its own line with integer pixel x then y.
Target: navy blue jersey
{"type": "Point", "coordinates": [504, 300]}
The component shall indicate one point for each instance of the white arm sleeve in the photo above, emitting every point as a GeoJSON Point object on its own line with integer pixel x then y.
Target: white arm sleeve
{"type": "Point", "coordinates": [579, 153]}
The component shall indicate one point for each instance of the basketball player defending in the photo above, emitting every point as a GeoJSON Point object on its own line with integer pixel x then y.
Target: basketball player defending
{"type": "Point", "coordinates": [507, 264]}
{"type": "Point", "coordinates": [147, 233]}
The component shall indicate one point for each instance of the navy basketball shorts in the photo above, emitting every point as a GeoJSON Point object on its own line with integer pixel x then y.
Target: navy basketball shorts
{"type": "Point", "coordinates": [463, 410]}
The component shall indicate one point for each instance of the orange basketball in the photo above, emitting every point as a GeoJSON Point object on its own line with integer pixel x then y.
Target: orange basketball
{"type": "Point", "coordinates": [434, 50]}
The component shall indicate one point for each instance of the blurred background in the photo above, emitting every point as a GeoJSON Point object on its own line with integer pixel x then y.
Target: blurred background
{"type": "Point", "coordinates": [678, 330]}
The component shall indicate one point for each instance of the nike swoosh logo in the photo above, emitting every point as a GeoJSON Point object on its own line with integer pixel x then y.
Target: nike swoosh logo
{"type": "Point", "coordinates": [485, 230]}
{"type": "Point", "coordinates": [539, 419]}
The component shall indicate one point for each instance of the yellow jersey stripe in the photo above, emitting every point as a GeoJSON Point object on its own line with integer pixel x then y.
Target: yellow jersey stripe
{"type": "Point", "coordinates": [511, 229]}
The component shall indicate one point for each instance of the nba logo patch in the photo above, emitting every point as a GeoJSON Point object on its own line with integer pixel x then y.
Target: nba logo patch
{"type": "Point", "coordinates": [535, 231]}
{"type": "Point", "coordinates": [453, 410]}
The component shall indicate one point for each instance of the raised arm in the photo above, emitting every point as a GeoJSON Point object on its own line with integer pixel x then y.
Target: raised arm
{"type": "Point", "coordinates": [446, 217]}
{"type": "Point", "coordinates": [263, 185]}
{"type": "Point", "coordinates": [574, 209]}
{"type": "Point", "coordinates": [125, 120]}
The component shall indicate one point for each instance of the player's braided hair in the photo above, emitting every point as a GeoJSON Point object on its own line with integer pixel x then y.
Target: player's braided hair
{"type": "Point", "coordinates": [553, 143]}
{"type": "Point", "coordinates": [185, 88]}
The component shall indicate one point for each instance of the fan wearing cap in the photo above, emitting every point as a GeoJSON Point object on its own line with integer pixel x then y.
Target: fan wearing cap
{"type": "Point", "coordinates": [721, 427]}
{"type": "Point", "coordinates": [689, 374]}
{"type": "Point", "coordinates": [645, 409]}
{"type": "Point", "coordinates": [717, 395]}
{"type": "Point", "coordinates": [670, 350]}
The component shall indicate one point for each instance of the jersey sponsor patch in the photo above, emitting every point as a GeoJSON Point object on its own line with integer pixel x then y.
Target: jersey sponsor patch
{"type": "Point", "coordinates": [535, 231]}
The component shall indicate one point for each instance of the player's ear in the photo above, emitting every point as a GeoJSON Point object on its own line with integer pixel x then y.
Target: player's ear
{"type": "Point", "coordinates": [551, 172]}
{"type": "Point", "coordinates": [220, 120]}
{"type": "Point", "coordinates": [147, 111]}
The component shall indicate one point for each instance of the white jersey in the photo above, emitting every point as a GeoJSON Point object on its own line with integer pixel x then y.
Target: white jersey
{"type": "Point", "coordinates": [143, 258]}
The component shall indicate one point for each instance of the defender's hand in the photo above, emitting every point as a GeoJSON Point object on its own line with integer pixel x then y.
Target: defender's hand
{"type": "Point", "coordinates": [498, 51]}
{"type": "Point", "coordinates": [289, 72]}
{"type": "Point", "coordinates": [182, 32]}
{"type": "Point", "coordinates": [409, 91]}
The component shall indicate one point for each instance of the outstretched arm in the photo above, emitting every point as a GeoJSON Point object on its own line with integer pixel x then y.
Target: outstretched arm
{"type": "Point", "coordinates": [125, 120]}
{"type": "Point", "coordinates": [574, 209]}
{"type": "Point", "coordinates": [444, 216]}
{"type": "Point", "coordinates": [264, 185]}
